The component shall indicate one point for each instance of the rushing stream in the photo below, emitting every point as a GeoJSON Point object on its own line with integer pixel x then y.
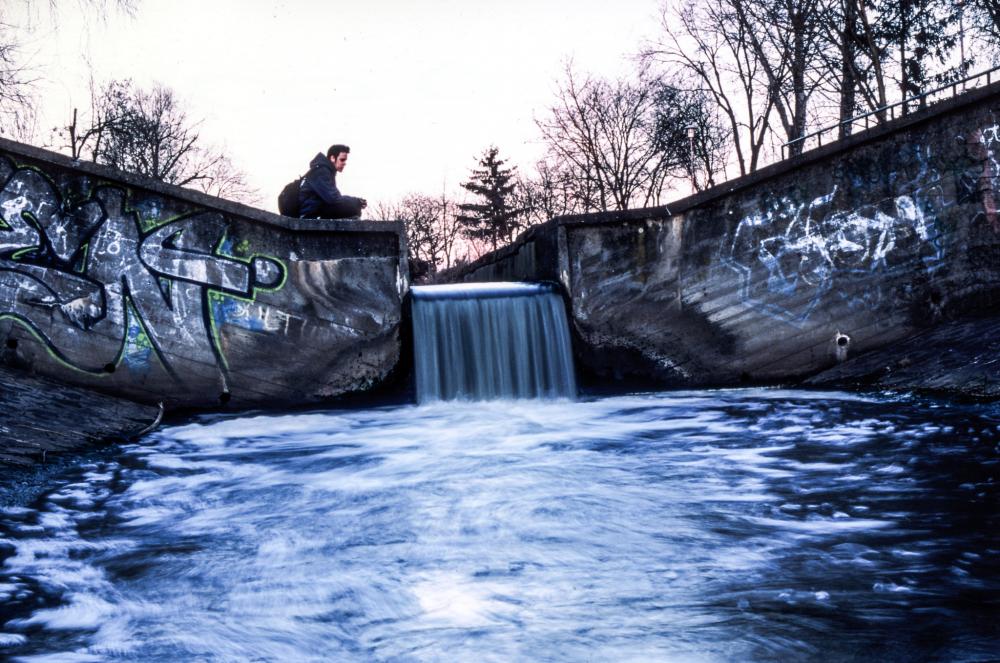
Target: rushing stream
{"type": "Point", "coordinates": [715, 526]}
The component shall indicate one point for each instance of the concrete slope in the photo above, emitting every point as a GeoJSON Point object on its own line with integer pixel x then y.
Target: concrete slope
{"type": "Point", "coordinates": [43, 419]}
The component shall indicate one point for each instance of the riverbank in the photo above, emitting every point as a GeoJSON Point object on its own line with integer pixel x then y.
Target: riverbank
{"type": "Point", "coordinates": [42, 419]}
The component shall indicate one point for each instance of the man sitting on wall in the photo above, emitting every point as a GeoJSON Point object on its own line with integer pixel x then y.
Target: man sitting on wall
{"type": "Point", "coordinates": [319, 197]}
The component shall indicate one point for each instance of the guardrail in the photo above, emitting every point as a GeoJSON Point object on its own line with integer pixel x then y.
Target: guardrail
{"type": "Point", "coordinates": [890, 111]}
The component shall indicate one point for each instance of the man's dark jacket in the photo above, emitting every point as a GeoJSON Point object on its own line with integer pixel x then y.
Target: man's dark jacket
{"type": "Point", "coordinates": [319, 197]}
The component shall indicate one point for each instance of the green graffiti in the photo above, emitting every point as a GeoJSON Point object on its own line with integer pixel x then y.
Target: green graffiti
{"type": "Point", "coordinates": [26, 324]}
{"type": "Point", "coordinates": [23, 252]}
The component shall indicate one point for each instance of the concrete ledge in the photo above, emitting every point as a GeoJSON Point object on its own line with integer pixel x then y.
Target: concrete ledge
{"type": "Point", "coordinates": [46, 159]}
{"type": "Point", "coordinates": [957, 358]}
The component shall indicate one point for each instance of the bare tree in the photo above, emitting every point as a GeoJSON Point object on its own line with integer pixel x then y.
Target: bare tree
{"type": "Point", "coordinates": [692, 128]}
{"type": "Point", "coordinates": [786, 39]}
{"type": "Point", "coordinates": [855, 57]}
{"type": "Point", "coordinates": [712, 46]}
{"type": "Point", "coordinates": [17, 78]}
{"type": "Point", "coordinates": [84, 135]}
{"type": "Point", "coordinates": [221, 178]}
{"type": "Point", "coordinates": [607, 136]}
{"type": "Point", "coordinates": [148, 133]}
{"type": "Point", "coordinates": [552, 191]}
{"type": "Point", "coordinates": [432, 229]}
{"type": "Point", "coordinates": [17, 110]}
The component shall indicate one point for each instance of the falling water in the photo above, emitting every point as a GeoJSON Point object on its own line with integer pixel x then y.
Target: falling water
{"type": "Point", "coordinates": [484, 341]}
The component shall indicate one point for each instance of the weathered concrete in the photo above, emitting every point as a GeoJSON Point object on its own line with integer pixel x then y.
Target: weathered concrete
{"type": "Point", "coordinates": [842, 251]}
{"type": "Point", "coordinates": [42, 418]}
{"type": "Point", "coordinates": [957, 358]}
{"type": "Point", "coordinates": [156, 293]}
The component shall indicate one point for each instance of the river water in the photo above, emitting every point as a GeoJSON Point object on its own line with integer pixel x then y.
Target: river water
{"type": "Point", "coordinates": [698, 526]}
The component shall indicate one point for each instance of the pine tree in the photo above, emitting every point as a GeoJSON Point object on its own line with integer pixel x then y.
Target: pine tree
{"type": "Point", "coordinates": [494, 219]}
{"type": "Point", "coordinates": [922, 34]}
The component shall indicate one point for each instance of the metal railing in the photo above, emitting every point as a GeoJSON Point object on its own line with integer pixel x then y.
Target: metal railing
{"type": "Point", "coordinates": [889, 112]}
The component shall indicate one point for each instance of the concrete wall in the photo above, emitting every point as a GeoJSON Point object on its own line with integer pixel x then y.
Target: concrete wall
{"type": "Point", "coordinates": [793, 269]}
{"type": "Point", "coordinates": [156, 293]}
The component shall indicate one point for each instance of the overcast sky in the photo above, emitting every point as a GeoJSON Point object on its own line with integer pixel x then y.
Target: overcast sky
{"type": "Point", "coordinates": [417, 88]}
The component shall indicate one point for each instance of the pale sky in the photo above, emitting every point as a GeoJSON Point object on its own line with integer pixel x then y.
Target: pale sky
{"type": "Point", "coordinates": [417, 88]}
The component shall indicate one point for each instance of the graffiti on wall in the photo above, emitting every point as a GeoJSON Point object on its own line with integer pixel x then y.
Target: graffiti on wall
{"type": "Point", "coordinates": [791, 254]}
{"type": "Point", "coordinates": [98, 284]}
{"type": "Point", "coordinates": [979, 179]}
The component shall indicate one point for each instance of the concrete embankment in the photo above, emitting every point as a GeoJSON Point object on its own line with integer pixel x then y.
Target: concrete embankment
{"type": "Point", "coordinates": [156, 294]}
{"type": "Point", "coordinates": [44, 420]}
{"type": "Point", "coordinates": [878, 256]}
{"type": "Point", "coordinates": [960, 358]}
{"type": "Point", "coordinates": [118, 293]}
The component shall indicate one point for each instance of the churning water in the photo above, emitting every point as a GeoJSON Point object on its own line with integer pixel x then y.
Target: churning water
{"type": "Point", "coordinates": [709, 526]}
{"type": "Point", "coordinates": [482, 341]}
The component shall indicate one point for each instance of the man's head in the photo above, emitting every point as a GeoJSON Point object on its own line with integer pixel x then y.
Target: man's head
{"type": "Point", "coordinates": [337, 154]}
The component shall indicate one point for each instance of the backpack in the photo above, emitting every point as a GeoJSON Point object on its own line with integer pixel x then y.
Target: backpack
{"type": "Point", "coordinates": [288, 199]}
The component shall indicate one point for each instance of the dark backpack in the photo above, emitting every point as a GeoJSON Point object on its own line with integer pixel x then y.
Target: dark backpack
{"type": "Point", "coordinates": [288, 199]}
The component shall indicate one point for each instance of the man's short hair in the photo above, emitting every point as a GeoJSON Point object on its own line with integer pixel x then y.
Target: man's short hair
{"type": "Point", "coordinates": [335, 150]}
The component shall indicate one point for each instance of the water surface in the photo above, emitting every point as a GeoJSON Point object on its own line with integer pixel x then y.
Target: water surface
{"type": "Point", "coordinates": [708, 526]}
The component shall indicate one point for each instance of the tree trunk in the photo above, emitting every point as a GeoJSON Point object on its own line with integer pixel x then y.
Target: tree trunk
{"type": "Point", "coordinates": [847, 65]}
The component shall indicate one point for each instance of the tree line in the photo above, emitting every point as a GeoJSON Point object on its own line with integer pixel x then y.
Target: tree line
{"type": "Point", "coordinates": [722, 88]}
{"type": "Point", "coordinates": [718, 91]}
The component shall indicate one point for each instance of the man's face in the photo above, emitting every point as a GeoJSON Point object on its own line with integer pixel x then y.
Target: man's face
{"type": "Point", "coordinates": [339, 161]}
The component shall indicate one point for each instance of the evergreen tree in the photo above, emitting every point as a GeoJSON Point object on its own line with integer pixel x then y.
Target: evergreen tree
{"type": "Point", "coordinates": [921, 34]}
{"type": "Point", "coordinates": [494, 219]}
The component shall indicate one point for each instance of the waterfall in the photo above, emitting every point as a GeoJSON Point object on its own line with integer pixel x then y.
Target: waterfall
{"type": "Point", "coordinates": [483, 341]}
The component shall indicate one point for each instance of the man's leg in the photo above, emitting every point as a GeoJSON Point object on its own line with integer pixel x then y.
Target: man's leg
{"type": "Point", "coordinates": [346, 208]}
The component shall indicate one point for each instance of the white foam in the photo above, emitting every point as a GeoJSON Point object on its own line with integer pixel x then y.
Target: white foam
{"type": "Point", "coordinates": [61, 657]}
{"type": "Point", "coordinates": [84, 611]}
{"type": "Point", "coordinates": [11, 639]}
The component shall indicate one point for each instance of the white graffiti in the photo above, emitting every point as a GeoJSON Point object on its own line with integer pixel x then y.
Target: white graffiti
{"type": "Point", "coordinates": [85, 277]}
{"type": "Point", "coordinates": [790, 255]}
{"type": "Point", "coordinates": [979, 181]}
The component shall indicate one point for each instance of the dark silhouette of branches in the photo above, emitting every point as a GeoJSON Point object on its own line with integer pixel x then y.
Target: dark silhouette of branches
{"type": "Point", "coordinates": [17, 78]}
{"type": "Point", "coordinates": [710, 46]}
{"type": "Point", "coordinates": [17, 110]}
{"type": "Point", "coordinates": [432, 230]}
{"type": "Point", "coordinates": [147, 132]}
{"type": "Point", "coordinates": [607, 138]}
{"type": "Point", "coordinates": [551, 192]}
{"type": "Point", "coordinates": [785, 37]}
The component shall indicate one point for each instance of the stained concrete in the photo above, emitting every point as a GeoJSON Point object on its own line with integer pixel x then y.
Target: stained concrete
{"type": "Point", "coordinates": [42, 419]}
{"type": "Point", "coordinates": [155, 293]}
{"type": "Point", "coordinates": [841, 252]}
{"type": "Point", "coordinates": [957, 358]}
